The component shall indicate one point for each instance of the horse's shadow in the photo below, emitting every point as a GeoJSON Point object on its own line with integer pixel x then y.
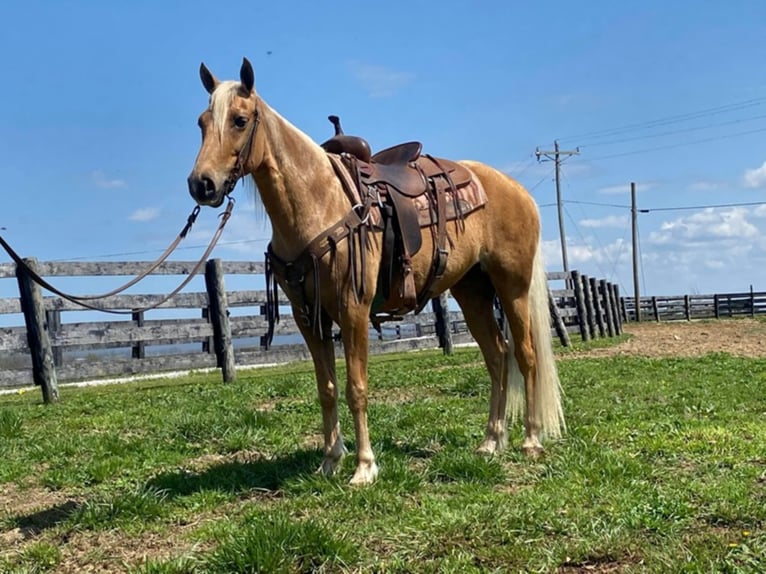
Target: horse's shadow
{"type": "Point", "coordinates": [33, 524]}
{"type": "Point", "coordinates": [267, 475]}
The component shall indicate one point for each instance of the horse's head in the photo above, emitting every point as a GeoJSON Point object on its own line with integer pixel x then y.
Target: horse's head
{"type": "Point", "coordinates": [228, 127]}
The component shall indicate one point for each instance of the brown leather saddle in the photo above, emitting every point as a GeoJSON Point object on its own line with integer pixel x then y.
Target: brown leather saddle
{"type": "Point", "coordinates": [414, 191]}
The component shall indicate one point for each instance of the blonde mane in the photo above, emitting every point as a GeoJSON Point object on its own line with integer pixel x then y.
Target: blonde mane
{"type": "Point", "coordinates": [220, 100]}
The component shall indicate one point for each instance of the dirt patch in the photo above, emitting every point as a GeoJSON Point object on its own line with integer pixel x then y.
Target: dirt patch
{"type": "Point", "coordinates": [739, 337]}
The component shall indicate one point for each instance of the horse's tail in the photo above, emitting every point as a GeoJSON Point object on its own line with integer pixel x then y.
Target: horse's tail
{"type": "Point", "coordinates": [547, 386]}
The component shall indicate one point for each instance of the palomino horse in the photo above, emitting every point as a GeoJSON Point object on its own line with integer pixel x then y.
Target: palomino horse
{"type": "Point", "coordinates": [495, 251]}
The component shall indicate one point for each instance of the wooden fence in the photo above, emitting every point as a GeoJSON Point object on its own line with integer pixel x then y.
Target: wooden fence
{"type": "Point", "coordinates": [688, 307]}
{"type": "Point", "coordinates": [225, 327]}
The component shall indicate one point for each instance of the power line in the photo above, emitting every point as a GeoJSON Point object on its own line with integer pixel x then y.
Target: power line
{"type": "Point", "coordinates": [674, 132]}
{"type": "Point", "coordinates": [677, 145]}
{"type": "Point", "coordinates": [542, 179]}
{"type": "Point", "coordinates": [604, 250]}
{"type": "Point", "coordinates": [669, 119]}
{"type": "Point", "coordinates": [597, 203]}
{"type": "Point", "coordinates": [152, 251]}
{"type": "Point", "coordinates": [675, 208]}
{"type": "Point", "coordinates": [711, 206]}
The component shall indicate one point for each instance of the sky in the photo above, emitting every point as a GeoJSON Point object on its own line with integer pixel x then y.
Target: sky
{"type": "Point", "coordinates": [98, 122]}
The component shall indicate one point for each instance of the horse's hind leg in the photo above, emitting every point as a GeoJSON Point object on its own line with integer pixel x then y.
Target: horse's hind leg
{"type": "Point", "coordinates": [323, 354]}
{"type": "Point", "coordinates": [516, 307]}
{"type": "Point", "coordinates": [475, 295]}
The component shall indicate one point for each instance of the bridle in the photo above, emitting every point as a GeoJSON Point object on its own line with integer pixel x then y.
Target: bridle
{"type": "Point", "coordinates": [236, 173]}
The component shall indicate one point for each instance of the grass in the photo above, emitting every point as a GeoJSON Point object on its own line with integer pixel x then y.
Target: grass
{"type": "Point", "coordinates": [663, 469]}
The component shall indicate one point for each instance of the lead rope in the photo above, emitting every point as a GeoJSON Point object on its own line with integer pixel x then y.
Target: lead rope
{"type": "Point", "coordinates": [82, 301]}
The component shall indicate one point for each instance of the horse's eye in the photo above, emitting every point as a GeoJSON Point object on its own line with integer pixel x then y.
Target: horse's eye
{"type": "Point", "coordinates": [240, 121]}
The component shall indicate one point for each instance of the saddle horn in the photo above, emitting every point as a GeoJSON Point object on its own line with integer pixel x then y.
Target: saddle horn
{"type": "Point", "coordinates": [342, 143]}
{"type": "Point", "coordinates": [335, 120]}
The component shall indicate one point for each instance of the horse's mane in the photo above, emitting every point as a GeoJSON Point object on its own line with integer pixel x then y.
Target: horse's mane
{"type": "Point", "coordinates": [220, 101]}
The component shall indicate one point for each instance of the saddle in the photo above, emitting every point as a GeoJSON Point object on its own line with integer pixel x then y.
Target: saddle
{"type": "Point", "coordinates": [412, 191]}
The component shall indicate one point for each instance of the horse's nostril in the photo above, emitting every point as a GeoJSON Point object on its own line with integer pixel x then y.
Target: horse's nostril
{"type": "Point", "coordinates": [209, 185]}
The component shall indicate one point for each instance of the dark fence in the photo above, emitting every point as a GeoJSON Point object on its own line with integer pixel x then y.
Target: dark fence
{"type": "Point", "coordinates": [225, 327]}
{"type": "Point", "coordinates": [687, 307]}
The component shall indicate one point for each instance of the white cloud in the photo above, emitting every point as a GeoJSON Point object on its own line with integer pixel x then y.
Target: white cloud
{"type": "Point", "coordinates": [379, 81]}
{"type": "Point", "coordinates": [579, 253]}
{"type": "Point", "coordinates": [755, 178]}
{"type": "Point", "coordinates": [705, 227]}
{"type": "Point", "coordinates": [618, 221]}
{"type": "Point", "coordinates": [145, 214]}
{"type": "Point", "coordinates": [102, 181]}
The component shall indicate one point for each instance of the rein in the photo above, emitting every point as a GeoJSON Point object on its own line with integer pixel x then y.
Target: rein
{"type": "Point", "coordinates": [84, 300]}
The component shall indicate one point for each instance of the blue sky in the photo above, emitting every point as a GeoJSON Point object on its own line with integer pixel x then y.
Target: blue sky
{"type": "Point", "coordinates": [100, 100]}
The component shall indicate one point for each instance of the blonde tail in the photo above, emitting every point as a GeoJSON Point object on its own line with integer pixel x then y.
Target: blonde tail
{"type": "Point", "coordinates": [549, 410]}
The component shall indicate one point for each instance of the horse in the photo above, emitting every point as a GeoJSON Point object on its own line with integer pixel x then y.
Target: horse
{"type": "Point", "coordinates": [495, 252]}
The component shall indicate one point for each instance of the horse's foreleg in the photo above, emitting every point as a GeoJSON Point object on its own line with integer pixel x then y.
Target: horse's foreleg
{"type": "Point", "coordinates": [354, 330]}
{"type": "Point", "coordinates": [323, 354]}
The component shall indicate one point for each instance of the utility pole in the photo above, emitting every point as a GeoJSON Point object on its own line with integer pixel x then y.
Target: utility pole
{"type": "Point", "coordinates": [555, 156]}
{"type": "Point", "coordinates": [634, 219]}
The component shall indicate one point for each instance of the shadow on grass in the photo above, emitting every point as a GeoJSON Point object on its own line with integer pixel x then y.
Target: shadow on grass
{"type": "Point", "coordinates": [236, 477]}
{"type": "Point", "coordinates": [33, 524]}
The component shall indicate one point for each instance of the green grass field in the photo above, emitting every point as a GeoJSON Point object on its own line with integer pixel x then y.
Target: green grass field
{"type": "Point", "coordinates": [663, 470]}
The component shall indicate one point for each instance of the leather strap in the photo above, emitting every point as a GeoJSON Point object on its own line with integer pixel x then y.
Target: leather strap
{"type": "Point", "coordinates": [83, 301]}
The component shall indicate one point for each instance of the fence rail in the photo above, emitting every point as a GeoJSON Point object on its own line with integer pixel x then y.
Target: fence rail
{"type": "Point", "coordinates": [225, 328]}
{"type": "Point", "coordinates": [687, 307]}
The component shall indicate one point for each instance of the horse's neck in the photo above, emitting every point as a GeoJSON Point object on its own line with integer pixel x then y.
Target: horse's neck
{"type": "Point", "coordinates": [296, 182]}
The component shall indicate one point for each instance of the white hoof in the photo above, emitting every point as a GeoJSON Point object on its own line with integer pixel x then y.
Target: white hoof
{"type": "Point", "coordinates": [366, 473]}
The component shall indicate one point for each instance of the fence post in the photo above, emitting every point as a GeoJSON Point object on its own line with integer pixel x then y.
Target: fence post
{"type": "Point", "coordinates": [752, 302]}
{"type": "Point", "coordinates": [687, 308]}
{"type": "Point", "coordinates": [219, 317]}
{"type": "Point", "coordinates": [582, 319]}
{"type": "Point", "coordinates": [716, 310]}
{"type": "Point", "coordinates": [616, 307]}
{"type": "Point", "coordinates": [443, 332]}
{"type": "Point", "coordinates": [588, 292]}
{"type": "Point", "coordinates": [594, 287]}
{"type": "Point", "coordinates": [53, 318]}
{"type": "Point", "coordinates": [558, 322]}
{"type": "Point", "coordinates": [624, 310]}
{"type": "Point", "coordinates": [38, 339]}
{"type": "Point", "coordinates": [139, 349]}
{"type": "Point", "coordinates": [607, 307]}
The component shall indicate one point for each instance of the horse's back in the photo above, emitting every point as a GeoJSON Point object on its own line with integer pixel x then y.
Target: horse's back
{"type": "Point", "coordinates": [510, 208]}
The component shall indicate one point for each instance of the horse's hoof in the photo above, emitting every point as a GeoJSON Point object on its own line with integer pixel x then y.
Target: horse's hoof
{"type": "Point", "coordinates": [365, 474]}
{"type": "Point", "coordinates": [329, 466]}
{"type": "Point", "coordinates": [487, 448]}
{"type": "Point", "coordinates": [332, 460]}
{"type": "Point", "coordinates": [491, 446]}
{"type": "Point", "coordinates": [533, 452]}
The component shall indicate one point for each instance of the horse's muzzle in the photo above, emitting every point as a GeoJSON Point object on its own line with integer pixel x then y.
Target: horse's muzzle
{"type": "Point", "coordinates": [204, 191]}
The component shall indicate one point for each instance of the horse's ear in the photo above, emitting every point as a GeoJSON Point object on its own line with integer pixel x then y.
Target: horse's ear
{"type": "Point", "coordinates": [208, 79]}
{"type": "Point", "coordinates": [246, 75]}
